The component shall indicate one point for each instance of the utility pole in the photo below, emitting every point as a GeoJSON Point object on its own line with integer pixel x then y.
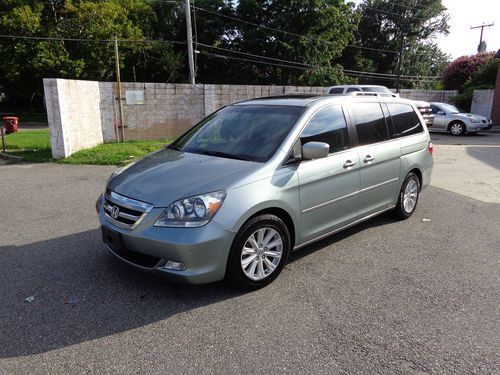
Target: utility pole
{"type": "Point", "coordinates": [189, 37]}
{"type": "Point", "coordinates": [400, 62]}
{"type": "Point", "coordinates": [481, 48]}
{"type": "Point", "coordinates": [119, 92]}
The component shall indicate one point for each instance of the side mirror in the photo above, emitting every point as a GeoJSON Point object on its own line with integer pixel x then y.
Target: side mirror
{"type": "Point", "coordinates": [440, 113]}
{"type": "Point", "coordinates": [315, 150]}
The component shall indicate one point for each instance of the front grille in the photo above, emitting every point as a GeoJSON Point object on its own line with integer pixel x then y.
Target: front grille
{"type": "Point", "coordinates": [124, 212]}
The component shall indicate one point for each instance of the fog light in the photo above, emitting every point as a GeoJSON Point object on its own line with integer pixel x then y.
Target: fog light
{"type": "Point", "coordinates": [171, 265]}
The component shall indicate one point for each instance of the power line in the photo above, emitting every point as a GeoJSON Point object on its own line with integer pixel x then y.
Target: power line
{"type": "Point", "coordinates": [139, 41]}
{"type": "Point", "coordinates": [258, 56]}
{"type": "Point", "coordinates": [309, 66]}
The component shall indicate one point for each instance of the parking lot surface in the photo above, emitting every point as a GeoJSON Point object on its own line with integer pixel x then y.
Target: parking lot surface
{"type": "Point", "coordinates": [468, 165]}
{"type": "Point", "coordinates": [387, 296]}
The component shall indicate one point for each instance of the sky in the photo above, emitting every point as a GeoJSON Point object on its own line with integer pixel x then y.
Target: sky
{"type": "Point", "coordinates": [466, 13]}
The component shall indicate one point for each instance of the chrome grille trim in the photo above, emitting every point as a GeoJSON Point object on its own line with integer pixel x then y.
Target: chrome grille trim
{"type": "Point", "coordinates": [125, 220]}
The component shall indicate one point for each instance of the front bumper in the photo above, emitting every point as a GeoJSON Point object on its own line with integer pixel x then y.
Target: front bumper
{"type": "Point", "coordinates": [203, 251]}
{"type": "Point", "coordinates": [480, 126]}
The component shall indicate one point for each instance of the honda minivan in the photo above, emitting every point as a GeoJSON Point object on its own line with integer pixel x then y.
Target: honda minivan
{"type": "Point", "coordinates": [234, 195]}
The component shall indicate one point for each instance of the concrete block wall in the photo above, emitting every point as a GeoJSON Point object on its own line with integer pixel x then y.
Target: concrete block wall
{"type": "Point", "coordinates": [83, 114]}
{"type": "Point", "coordinates": [170, 109]}
{"type": "Point", "coordinates": [495, 111]}
{"type": "Point", "coordinates": [73, 109]}
{"type": "Point", "coordinates": [445, 96]}
{"type": "Point", "coordinates": [482, 102]}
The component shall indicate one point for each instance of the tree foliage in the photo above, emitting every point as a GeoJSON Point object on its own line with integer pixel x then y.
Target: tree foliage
{"type": "Point", "coordinates": [461, 70]}
{"type": "Point", "coordinates": [302, 42]}
{"type": "Point", "coordinates": [483, 78]}
{"type": "Point", "coordinates": [410, 26]}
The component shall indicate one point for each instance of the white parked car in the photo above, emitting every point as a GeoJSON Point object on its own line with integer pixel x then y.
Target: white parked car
{"type": "Point", "coordinates": [347, 89]}
{"type": "Point", "coordinates": [450, 119]}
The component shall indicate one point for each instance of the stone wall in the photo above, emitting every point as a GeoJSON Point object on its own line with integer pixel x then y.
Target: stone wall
{"type": "Point", "coordinates": [482, 102]}
{"type": "Point", "coordinates": [445, 96]}
{"type": "Point", "coordinates": [171, 109]}
{"type": "Point", "coordinates": [73, 114]}
{"type": "Point", "coordinates": [495, 112]}
{"type": "Point", "coordinates": [83, 114]}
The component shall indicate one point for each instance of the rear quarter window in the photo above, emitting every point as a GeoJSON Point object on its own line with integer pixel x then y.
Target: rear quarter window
{"type": "Point", "coordinates": [404, 120]}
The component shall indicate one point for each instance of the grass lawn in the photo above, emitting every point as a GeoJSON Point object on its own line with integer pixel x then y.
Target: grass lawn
{"type": "Point", "coordinates": [34, 146]}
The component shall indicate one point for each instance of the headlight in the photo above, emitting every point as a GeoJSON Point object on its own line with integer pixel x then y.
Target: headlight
{"type": "Point", "coordinates": [475, 120]}
{"type": "Point", "coordinates": [192, 212]}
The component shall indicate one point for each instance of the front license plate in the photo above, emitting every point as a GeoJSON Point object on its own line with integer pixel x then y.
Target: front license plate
{"type": "Point", "coordinates": [111, 238]}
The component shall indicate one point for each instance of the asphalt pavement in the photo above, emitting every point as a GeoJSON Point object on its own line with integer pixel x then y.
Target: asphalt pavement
{"type": "Point", "coordinates": [468, 165]}
{"type": "Point", "coordinates": [407, 297]}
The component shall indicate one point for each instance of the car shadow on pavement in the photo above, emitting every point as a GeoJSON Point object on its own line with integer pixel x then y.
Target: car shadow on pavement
{"type": "Point", "coordinates": [82, 293]}
{"type": "Point", "coordinates": [377, 221]}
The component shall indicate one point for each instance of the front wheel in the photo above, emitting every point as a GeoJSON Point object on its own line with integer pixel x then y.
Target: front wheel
{"type": "Point", "coordinates": [259, 252]}
{"type": "Point", "coordinates": [408, 197]}
{"type": "Point", "coordinates": [457, 128]}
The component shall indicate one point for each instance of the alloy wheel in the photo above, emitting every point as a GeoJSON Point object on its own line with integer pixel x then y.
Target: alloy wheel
{"type": "Point", "coordinates": [261, 253]}
{"type": "Point", "coordinates": [410, 196]}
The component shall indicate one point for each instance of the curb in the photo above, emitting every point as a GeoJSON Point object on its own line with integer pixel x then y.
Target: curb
{"type": "Point", "coordinates": [11, 157]}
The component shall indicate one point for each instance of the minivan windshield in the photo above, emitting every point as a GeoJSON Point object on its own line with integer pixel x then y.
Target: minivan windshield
{"type": "Point", "coordinates": [244, 132]}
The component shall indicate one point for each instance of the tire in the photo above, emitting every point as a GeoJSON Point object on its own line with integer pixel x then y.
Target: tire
{"type": "Point", "coordinates": [457, 128]}
{"type": "Point", "coordinates": [250, 263]}
{"type": "Point", "coordinates": [408, 203]}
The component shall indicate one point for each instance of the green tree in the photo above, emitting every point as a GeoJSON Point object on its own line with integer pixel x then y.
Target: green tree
{"type": "Point", "coordinates": [410, 26]}
{"type": "Point", "coordinates": [323, 27]}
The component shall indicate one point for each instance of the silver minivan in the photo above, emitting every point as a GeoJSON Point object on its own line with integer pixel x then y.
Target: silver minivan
{"type": "Point", "coordinates": [233, 196]}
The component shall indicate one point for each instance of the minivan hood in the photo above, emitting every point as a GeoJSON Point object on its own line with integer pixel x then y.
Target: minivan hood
{"type": "Point", "coordinates": [168, 175]}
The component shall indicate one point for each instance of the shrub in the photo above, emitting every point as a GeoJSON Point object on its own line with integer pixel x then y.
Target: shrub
{"type": "Point", "coordinates": [461, 70]}
{"type": "Point", "coordinates": [483, 79]}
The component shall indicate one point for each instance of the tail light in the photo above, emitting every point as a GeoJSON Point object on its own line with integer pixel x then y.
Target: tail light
{"type": "Point", "coordinates": [431, 148]}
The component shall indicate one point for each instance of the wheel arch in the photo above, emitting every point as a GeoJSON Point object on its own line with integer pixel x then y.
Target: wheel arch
{"type": "Point", "coordinates": [418, 172]}
{"type": "Point", "coordinates": [282, 214]}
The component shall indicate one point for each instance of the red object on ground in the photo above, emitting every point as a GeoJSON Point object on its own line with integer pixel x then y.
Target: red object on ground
{"type": "Point", "coordinates": [11, 124]}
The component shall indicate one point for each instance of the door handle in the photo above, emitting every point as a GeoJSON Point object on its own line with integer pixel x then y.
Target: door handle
{"type": "Point", "coordinates": [349, 164]}
{"type": "Point", "coordinates": [369, 158]}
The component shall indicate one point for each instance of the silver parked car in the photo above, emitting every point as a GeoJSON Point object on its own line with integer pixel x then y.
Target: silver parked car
{"type": "Point", "coordinates": [450, 119]}
{"type": "Point", "coordinates": [233, 196]}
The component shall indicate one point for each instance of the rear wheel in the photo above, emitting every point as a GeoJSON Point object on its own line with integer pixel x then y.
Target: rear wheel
{"type": "Point", "coordinates": [457, 128]}
{"type": "Point", "coordinates": [259, 252]}
{"type": "Point", "coordinates": [408, 197]}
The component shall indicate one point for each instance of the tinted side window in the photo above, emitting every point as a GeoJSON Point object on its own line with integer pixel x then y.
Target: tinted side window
{"type": "Point", "coordinates": [404, 120]}
{"type": "Point", "coordinates": [337, 90]}
{"type": "Point", "coordinates": [370, 123]}
{"type": "Point", "coordinates": [328, 125]}
{"type": "Point", "coordinates": [435, 109]}
{"type": "Point", "coordinates": [351, 89]}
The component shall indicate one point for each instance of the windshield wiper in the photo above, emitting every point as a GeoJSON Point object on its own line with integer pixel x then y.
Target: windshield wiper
{"type": "Point", "coordinates": [174, 147]}
{"type": "Point", "coordinates": [224, 155]}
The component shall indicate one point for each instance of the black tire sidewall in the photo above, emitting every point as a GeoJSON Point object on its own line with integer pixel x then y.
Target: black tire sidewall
{"type": "Point", "coordinates": [234, 272]}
